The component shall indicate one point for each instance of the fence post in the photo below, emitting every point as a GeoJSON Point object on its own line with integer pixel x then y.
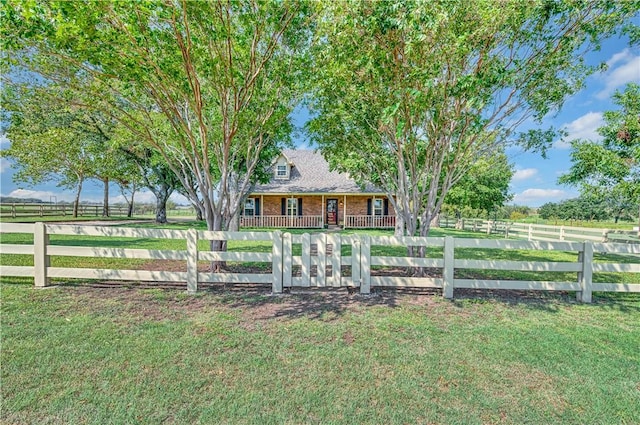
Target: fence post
{"type": "Point", "coordinates": [488, 227]}
{"type": "Point", "coordinates": [306, 260]}
{"type": "Point", "coordinates": [287, 256]}
{"type": "Point", "coordinates": [585, 277]}
{"type": "Point", "coordinates": [530, 235]}
{"type": "Point", "coordinates": [356, 262]}
{"type": "Point", "coordinates": [447, 271]}
{"type": "Point", "coordinates": [561, 233]}
{"type": "Point", "coordinates": [276, 263]}
{"type": "Point", "coordinates": [192, 261]}
{"type": "Point", "coordinates": [605, 235]}
{"type": "Point", "coordinates": [365, 265]}
{"type": "Point", "coordinates": [40, 258]}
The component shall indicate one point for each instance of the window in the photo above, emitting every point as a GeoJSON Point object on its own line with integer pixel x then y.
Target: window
{"type": "Point", "coordinates": [281, 171]}
{"type": "Point", "coordinates": [292, 206]}
{"type": "Point", "coordinates": [377, 207]}
{"type": "Point", "coordinates": [250, 207]}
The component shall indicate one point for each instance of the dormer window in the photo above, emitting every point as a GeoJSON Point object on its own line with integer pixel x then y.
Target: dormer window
{"type": "Point", "coordinates": [281, 172]}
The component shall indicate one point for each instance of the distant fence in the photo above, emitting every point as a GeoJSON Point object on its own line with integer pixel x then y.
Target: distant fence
{"type": "Point", "coordinates": [541, 232]}
{"type": "Point", "coordinates": [322, 261]}
{"type": "Point", "coordinates": [27, 210]}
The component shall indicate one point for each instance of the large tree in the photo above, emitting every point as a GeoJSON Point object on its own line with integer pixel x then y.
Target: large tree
{"type": "Point", "coordinates": [222, 74]}
{"type": "Point", "coordinates": [51, 139]}
{"type": "Point", "coordinates": [410, 94]}
{"type": "Point", "coordinates": [611, 167]}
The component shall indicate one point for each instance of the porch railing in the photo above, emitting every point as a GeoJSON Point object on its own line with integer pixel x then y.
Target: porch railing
{"type": "Point", "coordinates": [282, 221]}
{"type": "Point", "coordinates": [370, 221]}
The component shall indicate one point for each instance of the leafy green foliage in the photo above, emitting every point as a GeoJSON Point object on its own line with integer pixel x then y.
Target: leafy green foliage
{"type": "Point", "coordinates": [222, 79]}
{"type": "Point", "coordinates": [610, 169]}
{"type": "Point", "coordinates": [484, 187]}
{"type": "Point", "coordinates": [409, 95]}
{"type": "Point", "coordinates": [583, 208]}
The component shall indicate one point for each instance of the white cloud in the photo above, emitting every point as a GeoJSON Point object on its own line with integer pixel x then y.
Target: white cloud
{"type": "Point", "coordinates": [584, 127]}
{"type": "Point", "coordinates": [622, 56]}
{"type": "Point", "coordinates": [524, 174]}
{"type": "Point", "coordinates": [5, 164]}
{"type": "Point", "coordinates": [4, 142]}
{"type": "Point", "coordinates": [179, 199]}
{"type": "Point", "coordinates": [143, 197]}
{"type": "Point", "coordinates": [540, 196]}
{"type": "Point", "coordinates": [624, 67]}
{"type": "Point", "coordinates": [45, 195]}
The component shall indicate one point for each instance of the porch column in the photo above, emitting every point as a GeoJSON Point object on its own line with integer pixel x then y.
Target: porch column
{"type": "Point", "coordinates": [322, 213]}
{"type": "Point", "coordinates": [261, 211]}
{"type": "Point", "coordinates": [344, 214]}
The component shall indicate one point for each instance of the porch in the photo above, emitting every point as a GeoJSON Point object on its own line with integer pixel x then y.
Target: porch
{"type": "Point", "coordinates": [305, 211]}
{"type": "Point", "coordinates": [316, 222]}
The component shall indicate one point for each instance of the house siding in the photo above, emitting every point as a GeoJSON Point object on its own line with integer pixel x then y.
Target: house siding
{"type": "Point", "coordinates": [311, 205]}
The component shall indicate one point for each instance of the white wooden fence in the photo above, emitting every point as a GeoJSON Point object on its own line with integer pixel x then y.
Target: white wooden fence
{"type": "Point", "coordinates": [541, 232]}
{"type": "Point", "coordinates": [321, 262]}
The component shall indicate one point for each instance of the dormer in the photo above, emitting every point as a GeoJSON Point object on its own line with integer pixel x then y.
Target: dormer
{"type": "Point", "coordinates": [282, 167]}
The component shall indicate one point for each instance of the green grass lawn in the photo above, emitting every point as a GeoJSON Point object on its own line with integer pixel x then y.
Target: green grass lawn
{"type": "Point", "coordinates": [84, 354]}
{"type": "Point", "coordinates": [87, 355]}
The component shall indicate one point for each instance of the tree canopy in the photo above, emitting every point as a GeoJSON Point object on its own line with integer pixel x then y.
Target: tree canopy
{"type": "Point", "coordinates": [222, 75]}
{"type": "Point", "coordinates": [411, 94]}
{"type": "Point", "coordinates": [610, 168]}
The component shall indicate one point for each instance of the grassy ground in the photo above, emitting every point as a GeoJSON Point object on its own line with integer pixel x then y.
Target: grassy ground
{"type": "Point", "coordinates": [87, 355]}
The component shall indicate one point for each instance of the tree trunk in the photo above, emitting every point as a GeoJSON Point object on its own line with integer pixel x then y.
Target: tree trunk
{"type": "Point", "coordinates": [214, 223]}
{"type": "Point", "coordinates": [76, 203]}
{"type": "Point", "coordinates": [400, 225]}
{"type": "Point", "coordinates": [234, 223]}
{"type": "Point", "coordinates": [198, 209]}
{"type": "Point", "coordinates": [130, 204]}
{"type": "Point", "coordinates": [161, 206]}
{"type": "Point", "coordinates": [105, 201]}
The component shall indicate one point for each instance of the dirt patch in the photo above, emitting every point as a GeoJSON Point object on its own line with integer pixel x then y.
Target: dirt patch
{"type": "Point", "coordinates": [252, 304]}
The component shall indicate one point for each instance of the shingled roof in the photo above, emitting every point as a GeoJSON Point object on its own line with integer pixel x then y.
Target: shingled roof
{"type": "Point", "coordinates": [310, 174]}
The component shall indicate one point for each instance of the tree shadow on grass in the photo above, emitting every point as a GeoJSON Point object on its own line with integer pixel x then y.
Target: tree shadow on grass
{"type": "Point", "coordinates": [257, 303]}
{"type": "Point", "coordinates": [314, 304]}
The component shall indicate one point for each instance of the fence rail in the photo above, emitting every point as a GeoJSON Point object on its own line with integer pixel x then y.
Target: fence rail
{"type": "Point", "coordinates": [541, 232]}
{"type": "Point", "coordinates": [27, 210]}
{"type": "Point", "coordinates": [326, 260]}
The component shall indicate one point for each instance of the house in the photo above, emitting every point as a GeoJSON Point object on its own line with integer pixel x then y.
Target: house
{"type": "Point", "coordinates": [304, 193]}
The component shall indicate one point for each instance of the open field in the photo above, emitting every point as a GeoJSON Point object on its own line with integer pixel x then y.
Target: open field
{"type": "Point", "coordinates": [90, 355]}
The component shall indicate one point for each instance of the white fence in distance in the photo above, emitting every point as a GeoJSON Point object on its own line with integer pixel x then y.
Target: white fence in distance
{"type": "Point", "coordinates": [541, 232]}
{"type": "Point", "coordinates": [321, 263]}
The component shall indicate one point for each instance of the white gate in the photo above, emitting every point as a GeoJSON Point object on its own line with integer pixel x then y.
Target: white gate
{"type": "Point", "coordinates": [317, 260]}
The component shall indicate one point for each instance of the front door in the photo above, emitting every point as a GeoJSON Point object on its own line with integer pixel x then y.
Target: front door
{"type": "Point", "coordinates": [332, 212]}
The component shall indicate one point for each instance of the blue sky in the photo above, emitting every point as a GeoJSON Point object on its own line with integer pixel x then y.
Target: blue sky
{"type": "Point", "coordinates": [535, 179]}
